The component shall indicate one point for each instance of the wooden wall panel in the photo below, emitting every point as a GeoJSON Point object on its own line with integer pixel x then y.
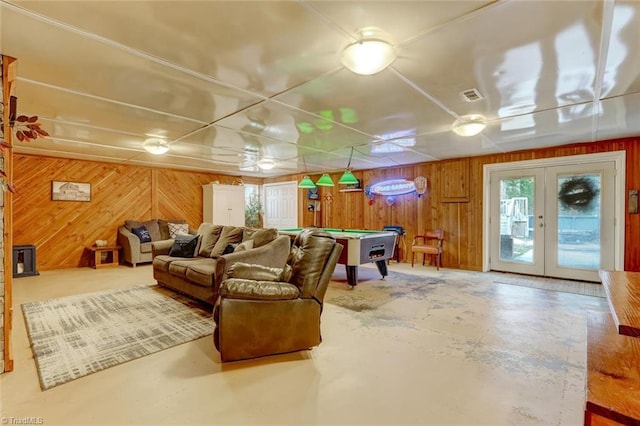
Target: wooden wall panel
{"type": "Point", "coordinates": [454, 180]}
{"type": "Point", "coordinates": [461, 220]}
{"type": "Point", "coordinates": [61, 230]}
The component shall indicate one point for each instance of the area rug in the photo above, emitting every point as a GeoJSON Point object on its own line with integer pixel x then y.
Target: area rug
{"type": "Point", "coordinates": [372, 291]}
{"type": "Point", "coordinates": [74, 336]}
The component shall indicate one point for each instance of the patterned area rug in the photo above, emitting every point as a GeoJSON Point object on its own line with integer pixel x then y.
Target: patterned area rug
{"type": "Point", "coordinates": [74, 336]}
{"type": "Point", "coordinates": [373, 292]}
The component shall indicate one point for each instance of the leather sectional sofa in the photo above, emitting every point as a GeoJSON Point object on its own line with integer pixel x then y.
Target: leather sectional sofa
{"type": "Point", "coordinates": [218, 247]}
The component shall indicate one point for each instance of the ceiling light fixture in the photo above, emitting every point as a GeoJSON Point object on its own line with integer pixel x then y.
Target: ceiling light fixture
{"type": "Point", "coordinates": [370, 54]}
{"type": "Point", "coordinates": [156, 146]}
{"type": "Point", "coordinates": [266, 163]}
{"type": "Point", "coordinates": [325, 180]}
{"type": "Point", "coordinates": [306, 183]}
{"type": "Point", "coordinates": [469, 125]}
{"type": "Point", "coordinates": [348, 178]}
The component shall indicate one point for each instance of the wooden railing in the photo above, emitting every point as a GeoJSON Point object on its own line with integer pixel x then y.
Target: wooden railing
{"type": "Point", "coordinates": [613, 354]}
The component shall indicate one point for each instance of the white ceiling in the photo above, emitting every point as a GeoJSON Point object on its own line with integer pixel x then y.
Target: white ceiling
{"type": "Point", "coordinates": [228, 83]}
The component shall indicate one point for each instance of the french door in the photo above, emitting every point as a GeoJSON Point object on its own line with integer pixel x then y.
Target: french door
{"type": "Point", "coordinates": [555, 221]}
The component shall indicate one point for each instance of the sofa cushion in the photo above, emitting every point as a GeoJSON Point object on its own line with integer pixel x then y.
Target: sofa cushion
{"type": "Point", "coordinates": [184, 246]}
{"type": "Point", "coordinates": [307, 259]}
{"type": "Point", "coordinates": [210, 234]}
{"type": "Point", "coordinates": [229, 235]}
{"type": "Point", "coordinates": [130, 224]}
{"type": "Point", "coordinates": [142, 233]}
{"type": "Point", "coordinates": [179, 267]}
{"type": "Point", "coordinates": [154, 229]}
{"type": "Point", "coordinates": [202, 273]}
{"type": "Point", "coordinates": [162, 262]}
{"type": "Point", "coordinates": [260, 236]}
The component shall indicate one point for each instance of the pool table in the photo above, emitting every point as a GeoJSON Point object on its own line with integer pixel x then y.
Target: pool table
{"type": "Point", "coordinates": [359, 247]}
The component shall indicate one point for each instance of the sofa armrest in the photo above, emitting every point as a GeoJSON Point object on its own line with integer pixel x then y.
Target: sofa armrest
{"type": "Point", "coordinates": [238, 288]}
{"type": "Point", "coordinates": [161, 247]}
{"type": "Point", "coordinates": [130, 244]}
{"type": "Point", "coordinates": [273, 255]}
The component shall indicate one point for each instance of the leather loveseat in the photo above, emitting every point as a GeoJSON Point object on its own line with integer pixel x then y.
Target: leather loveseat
{"type": "Point", "coordinates": [218, 247]}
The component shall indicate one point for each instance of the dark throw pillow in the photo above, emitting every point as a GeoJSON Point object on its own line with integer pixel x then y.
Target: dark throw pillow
{"type": "Point", "coordinates": [230, 248]}
{"type": "Point", "coordinates": [184, 246]}
{"type": "Point", "coordinates": [143, 234]}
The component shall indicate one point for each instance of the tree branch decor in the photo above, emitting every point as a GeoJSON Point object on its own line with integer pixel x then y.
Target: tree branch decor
{"type": "Point", "coordinates": [26, 129]}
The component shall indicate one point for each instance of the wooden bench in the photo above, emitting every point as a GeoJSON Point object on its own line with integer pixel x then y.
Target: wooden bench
{"type": "Point", "coordinates": [613, 357]}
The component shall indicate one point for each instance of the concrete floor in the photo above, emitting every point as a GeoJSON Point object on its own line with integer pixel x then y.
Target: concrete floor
{"type": "Point", "coordinates": [470, 353]}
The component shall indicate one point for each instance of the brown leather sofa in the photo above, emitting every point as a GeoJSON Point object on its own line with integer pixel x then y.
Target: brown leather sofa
{"type": "Point", "coordinates": [263, 311]}
{"type": "Point", "coordinates": [200, 275]}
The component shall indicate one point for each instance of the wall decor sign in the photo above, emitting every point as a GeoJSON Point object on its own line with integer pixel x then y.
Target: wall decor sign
{"type": "Point", "coordinates": [421, 185]}
{"type": "Point", "coordinates": [70, 191]}
{"type": "Point", "coordinates": [393, 187]}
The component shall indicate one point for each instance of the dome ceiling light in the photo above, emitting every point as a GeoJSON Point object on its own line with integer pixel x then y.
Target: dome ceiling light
{"type": "Point", "coordinates": [156, 146]}
{"type": "Point", "coordinates": [266, 163]}
{"type": "Point", "coordinates": [370, 54]}
{"type": "Point", "coordinates": [469, 125]}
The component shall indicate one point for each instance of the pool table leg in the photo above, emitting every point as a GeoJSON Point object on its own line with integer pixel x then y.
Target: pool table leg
{"type": "Point", "coordinates": [352, 275]}
{"type": "Point", "coordinates": [382, 268]}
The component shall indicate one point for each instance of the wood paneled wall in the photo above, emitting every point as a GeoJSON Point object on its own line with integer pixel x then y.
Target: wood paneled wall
{"type": "Point", "coordinates": [61, 230]}
{"type": "Point", "coordinates": [453, 201]}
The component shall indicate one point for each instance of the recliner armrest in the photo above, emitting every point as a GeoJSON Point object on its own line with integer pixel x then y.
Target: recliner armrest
{"type": "Point", "coordinates": [238, 288]}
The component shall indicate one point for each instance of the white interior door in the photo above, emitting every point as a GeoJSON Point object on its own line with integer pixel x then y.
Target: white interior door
{"type": "Point", "coordinates": [281, 205]}
{"type": "Point", "coordinates": [556, 221]}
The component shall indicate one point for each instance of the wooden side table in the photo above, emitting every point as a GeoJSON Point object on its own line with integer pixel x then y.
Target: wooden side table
{"type": "Point", "coordinates": [104, 257]}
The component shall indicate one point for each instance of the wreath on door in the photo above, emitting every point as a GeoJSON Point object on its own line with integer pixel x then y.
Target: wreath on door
{"type": "Point", "coordinates": [577, 193]}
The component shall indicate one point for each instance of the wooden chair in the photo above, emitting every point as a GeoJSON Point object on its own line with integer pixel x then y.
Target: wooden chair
{"type": "Point", "coordinates": [429, 243]}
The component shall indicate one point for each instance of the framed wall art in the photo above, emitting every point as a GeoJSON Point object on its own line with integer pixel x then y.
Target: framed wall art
{"type": "Point", "coordinates": [70, 191]}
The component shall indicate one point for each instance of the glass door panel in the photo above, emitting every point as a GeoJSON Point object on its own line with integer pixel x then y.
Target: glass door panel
{"type": "Point", "coordinates": [517, 241]}
{"type": "Point", "coordinates": [579, 221]}
{"type": "Point", "coordinates": [582, 232]}
{"type": "Point", "coordinates": [516, 230]}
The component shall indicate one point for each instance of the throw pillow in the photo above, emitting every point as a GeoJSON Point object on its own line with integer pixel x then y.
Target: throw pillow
{"type": "Point", "coordinates": [230, 248]}
{"type": "Point", "coordinates": [229, 235]}
{"type": "Point", "coordinates": [246, 245]}
{"type": "Point", "coordinates": [184, 246]}
{"type": "Point", "coordinates": [143, 234]}
{"type": "Point", "coordinates": [177, 229]}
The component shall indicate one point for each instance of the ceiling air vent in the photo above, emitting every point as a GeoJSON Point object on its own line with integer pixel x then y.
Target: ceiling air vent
{"type": "Point", "coordinates": [471, 95]}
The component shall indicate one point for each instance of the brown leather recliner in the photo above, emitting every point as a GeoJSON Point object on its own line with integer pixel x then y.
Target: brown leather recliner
{"type": "Point", "coordinates": [264, 311]}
